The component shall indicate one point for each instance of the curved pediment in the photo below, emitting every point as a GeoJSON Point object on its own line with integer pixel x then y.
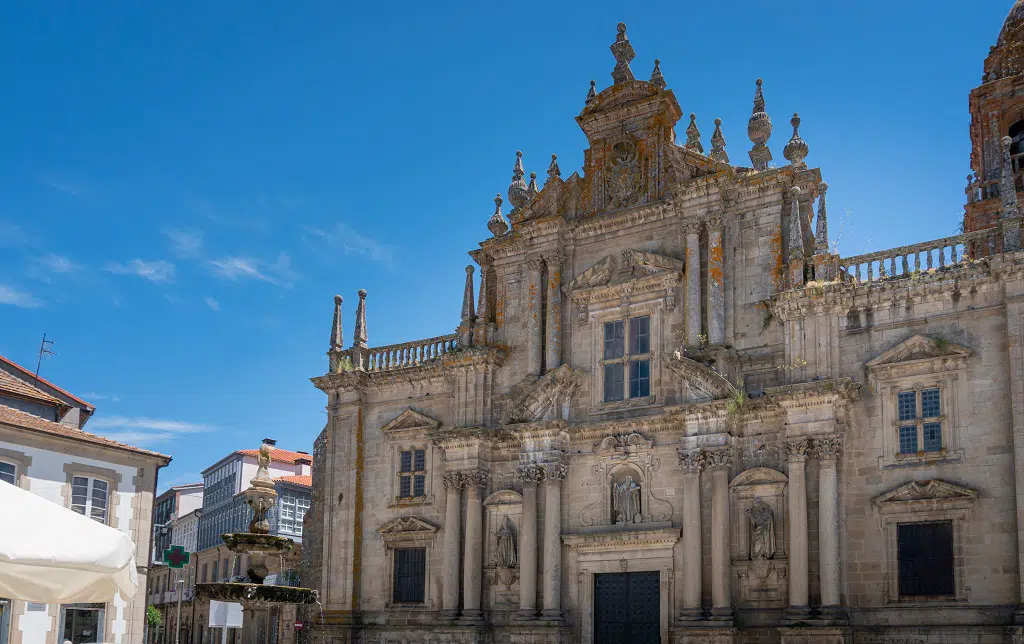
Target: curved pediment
{"type": "Point", "coordinates": [538, 399]}
{"type": "Point", "coordinates": [706, 382]}
{"type": "Point", "coordinates": [759, 476]}
{"type": "Point", "coordinates": [504, 497]}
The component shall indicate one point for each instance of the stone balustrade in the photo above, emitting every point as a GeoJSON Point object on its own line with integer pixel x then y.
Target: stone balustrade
{"type": "Point", "coordinates": [924, 256]}
{"type": "Point", "coordinates": [410, 354]}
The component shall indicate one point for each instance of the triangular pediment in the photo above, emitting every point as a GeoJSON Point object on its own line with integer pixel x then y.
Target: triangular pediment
{"type": "Point", "coordinates": [411, 419]}
{"type": "Point", "coordinates": [919, 347]}
{"type": "Point", "coordinates": [407, 527]}
{"type": "Point", "coordinates": [705, 383]}
{"type": "Point", "coordinates": [929, 494]}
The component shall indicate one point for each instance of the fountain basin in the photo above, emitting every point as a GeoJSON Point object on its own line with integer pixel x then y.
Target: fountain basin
{"type": "Point", "coordinates": [256, 593]}
{"type": "Point", "coordinates": [250, 543]}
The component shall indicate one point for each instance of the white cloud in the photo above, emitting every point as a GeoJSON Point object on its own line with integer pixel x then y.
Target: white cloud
{"type": "Point", "coordinates": [142, 429]}
{"type": "Point", "coordinates": [234, 269]}
{"type": "Point", "coordinates": [212, 303]}
{"type": "Point", "coordinates": [155, 271]}
{"type": "Point", "coordinates": [63, 185]}
{"type": "Point", "coordinates": [184, 243]}
{"type": "Point", "coordinates": [21, 299]}
{"type": "Point", "coordinates": [349, 241]}
{"type": "Point", "coordinates": [12, 235]}
{"type": "Point", "coordinates": [58, 263]}
{"type": "Point", "coordinates": [90, 395]}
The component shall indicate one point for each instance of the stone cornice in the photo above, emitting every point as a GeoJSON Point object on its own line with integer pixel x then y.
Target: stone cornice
{"type": "Point", "coordinates": [610, 223]}
{"type": "Point", "coordinates": [815, 393]}
{"type": "Point", "coordinates": [622, 539]}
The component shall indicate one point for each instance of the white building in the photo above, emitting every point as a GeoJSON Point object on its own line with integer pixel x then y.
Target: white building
{"type": "Point", "coordinates": [44, 450]}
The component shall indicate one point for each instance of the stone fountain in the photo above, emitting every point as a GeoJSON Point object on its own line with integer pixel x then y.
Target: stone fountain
{"type": "Point", "coordinates": [256, 598]}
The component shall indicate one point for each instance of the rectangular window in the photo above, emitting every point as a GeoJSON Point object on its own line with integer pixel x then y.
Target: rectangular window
{"type": "Point", "coordinates": [82, 623]}
{"type": "Point", "coordinates": [639, 378]}
{"type": "Point", "coordinates": [932, 437]}
{"type": "Point", "coordinates": [925, 552]}
{"type": "Point", "coordinates": [616, 385]}
{"type": "Point", "coordinates": [613, 340]}
{"type": "Point", "coordinates": [639, 335]}
{"type": "Point", "coordinates": [920, 420]}
{"type": "Point", "coordinates": [204, 574]}
{"type": "Point", "coordinates": [216, 568]}
{"type": "Point", "coordinates": [930, 403]}
{"type": "Point", "coordinates": [89, 497]}
{"type": "Point", "coordinates": [908, 439]}
{"type": "Point", "coordinates": [613, 382]}
{"type": "Point", "coordinates": [907, 404]}
{"type": "Point", "coordinates": [7, 472]}
{"type": "Point", "coordinates": [412, 474]}
{"type": "Point", "coordinates": [410, 575]}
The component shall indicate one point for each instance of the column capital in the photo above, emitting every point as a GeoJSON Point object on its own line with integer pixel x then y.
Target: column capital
{"type": "Point", "coordinates": [717, 459]}
{"type": "Point", "coordinates": [534, 262]}
{"type": "Point", "coordinates": [713, 222]}
{"type": "Point", "coordinates": [453, 481]}
{"type": "Point", "coordinates": [554, 259]}
{"type": "Point", "coordinates": [691, 461]}
{"type": "Point", "coordinates": [475, 479]}
{"type": "Point", "coordinates": [692, 227]}
{"type": "Point", "coordinates": [827, 448]}
{"type": "Point", "coordinates": [530, 475]}
{"type": "Point", "coordinates": [796, 449]}
{"type": "Point", "coordinates": [555, 472]}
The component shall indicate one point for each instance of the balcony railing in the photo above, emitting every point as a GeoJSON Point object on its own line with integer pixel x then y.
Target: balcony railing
{"type": "Point", "coordinates": [411, 354]}
{"type": "Point", "coordinates": [904, 261]}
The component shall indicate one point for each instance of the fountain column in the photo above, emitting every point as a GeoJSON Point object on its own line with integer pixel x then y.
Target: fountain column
{"type": "Point", "coordinates": [453, 482]}
{"type": "Point", "coordinates": [530, 475]}
{"type": "Point", "coordinates": [473, 568]}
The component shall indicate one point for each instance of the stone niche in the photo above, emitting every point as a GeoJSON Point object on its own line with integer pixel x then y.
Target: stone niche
{"type": "Point", "coordinates": [759, 514]}
{"type": "Point", "coordinates": [625, 471]}
{"type": "Point", "coordinates": [501, 549]}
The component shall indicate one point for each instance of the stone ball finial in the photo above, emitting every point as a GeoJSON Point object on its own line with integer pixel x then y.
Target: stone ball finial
{"type": "Point", "coordinates": [822, 187]}
{"type": "Point", "coordinates": [337, 299]}
{"type": "Point", "coordinates": [657, 61]}
{"type": "Point", "coordinates": [759, 82]}
{"type": "Point", "coordinates": [1007, 141]}
{"type": "Point", "coordinates": [718, 122]}
{"type": "Point", "coordinates": [693, 117]}
{"type": "Point", "coordinates": [796, 150]}
{"type": "Point", "coordinates": [362, 293]}
{"type": "Point", "coordinates": [469, 270]}
{"type": "Point", "coordinates": [533, 175]}
{"type": "Point", "coordinates": [621, 27]}
{"type": "Point", "coordinates": [795, 191]}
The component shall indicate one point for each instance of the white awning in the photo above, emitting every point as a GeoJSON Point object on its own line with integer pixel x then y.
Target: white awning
{"type": "Point", "coordinates": [52, 555]}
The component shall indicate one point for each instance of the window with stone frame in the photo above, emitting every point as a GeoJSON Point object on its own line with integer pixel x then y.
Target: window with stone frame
{"type": "Point", "coordinates": [412, 473]}
{"type": "Point", "coordinates": [90, 497]}
{"type": "Point", "coordinates": [410, 579]}
{"type": "Point", "coordinates": [925, 555]}
{"type": "Point", "coordinates": [626, 359]}
{"type": "Point", "coordinates": [919, 420]}
{"type": "Point", "coordinates": [8, 473]}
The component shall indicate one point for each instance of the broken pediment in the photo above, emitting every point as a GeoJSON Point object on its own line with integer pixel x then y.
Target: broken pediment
{"type": "Point", "coordinates": [407, 529]}
{"type": "Point", "coordinates": [923, 496]}
{"type": "Point", "coordinates": [410, 421]}
{"type": "Point", "coordinates": [919, 354]}
{"type": "Point", "coordinates": [704, 383]}
{"type": "Point", "coordinates": [632, 271]}
{"type": "Point", "coordinates": [541, 399]}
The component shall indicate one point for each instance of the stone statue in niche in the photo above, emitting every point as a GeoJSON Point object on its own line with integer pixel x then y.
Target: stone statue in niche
{"type": "Point", "coordinates": [762, 530]}
{"type": "Point", "coordinates": [507, 557]}
{"type": "Point", "coordinates": [626, 501]}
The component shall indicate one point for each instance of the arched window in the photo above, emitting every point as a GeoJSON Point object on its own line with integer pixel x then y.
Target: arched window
{"type": "Point", "coordinates": [1017, 134]}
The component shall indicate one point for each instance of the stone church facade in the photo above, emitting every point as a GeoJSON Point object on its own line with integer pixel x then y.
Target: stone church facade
{"type": "Point", "coordinates": [672, 413]}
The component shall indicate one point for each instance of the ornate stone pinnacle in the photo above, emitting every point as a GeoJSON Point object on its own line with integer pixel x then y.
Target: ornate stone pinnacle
{"type": "Point", "coordinates": [821, 235]}
{"type": "Point", "coordinates": [496, 224]}
{"type": "Point", "coordinates": [337, 337]}
{"type": "Point", "coordinates": [759, 129]}
{"type": "Point", "coordinates": [517, 192]}
{"type": "Point", "coordinates": [656, 77]}
{"type": "Point", "coordinates": [359, 338]}
{"type": "Point", "coordinates": [718, 144]}
{"type": "Point", "coordinates": [796, 230]}
{"type": "Point", "coordinates": [467, 297]}
{"type": "Point", "coordinates": [796, 150]}
{"type": "Point", "coordinates": [693, 135]}
{"type": "Point", "coordinates": [553, 170]}
{"type": "Point", "coordinates": [624, 54]}
{"type": "Point", "coordinates": [592, 94]}
{"type": "Point", "coordinates": [532, 190]}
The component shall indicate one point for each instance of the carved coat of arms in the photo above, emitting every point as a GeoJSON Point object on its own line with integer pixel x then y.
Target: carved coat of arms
{"type": "Point", "coordinates": [624, 175]}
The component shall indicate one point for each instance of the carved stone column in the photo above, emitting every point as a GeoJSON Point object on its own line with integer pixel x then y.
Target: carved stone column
{"type": "Point", "coordinates": [798, 566]}
{"type": "Point", "coordinates": [553, 477]}
{"type": "Point", "coordinates": [553, 346]}
{"type": "Point", "coordinates": [531, 476]}
{"type": "Point", "coordinates": [452, 541]}
{"type": "Point", "coordinates": [693, 285]}
{"type": "Point", "coordinates": [716, 283]}
{"type": "Point", "coordinates": [473, 568]}
{"type": "Point", "coordinates": [483, 309]}
{"type": "Point", "coordinates": [534, 341]}
{"type": "Point", "coordinates": [691, 462]}
{"type": "Point", "coordinates": [827, 450]}
{"type": "Point", "coordinates": [718, 461]}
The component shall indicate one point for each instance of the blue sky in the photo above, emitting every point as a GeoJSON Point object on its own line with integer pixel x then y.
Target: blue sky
{"type": "Point", "coordinates": [184, 187]}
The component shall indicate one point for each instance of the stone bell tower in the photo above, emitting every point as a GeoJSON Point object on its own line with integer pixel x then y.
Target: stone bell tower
{"type": "Point", "coordinates": [997, 134]}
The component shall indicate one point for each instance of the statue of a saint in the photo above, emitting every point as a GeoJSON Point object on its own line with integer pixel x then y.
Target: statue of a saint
{"type": "Point", "coordinates": [626, 501]}
{"type": "Point", "coordinates": [762, 530]}
{"type": "Point", "coordinates": [507, 555]}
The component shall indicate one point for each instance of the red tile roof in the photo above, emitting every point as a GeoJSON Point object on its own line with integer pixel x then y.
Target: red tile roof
{"type": "Point", "coordinates": [303, 480]}
{"type": "Point", "coordinates": [279, 455]}
{"type": "Point", "coordinates": [29, 374]}
{"type": "Point", "coordinates": [19, 387]}
{"type": "Point", "coordinates": [24, 420]}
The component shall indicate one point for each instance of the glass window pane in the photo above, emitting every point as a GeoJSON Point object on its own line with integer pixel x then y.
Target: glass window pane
{"type": "Point", "coordinates": [907, 405]}
{"type": "Point", "coordinates": [419, 485]}
{"type": "Point", "coordinates": [640, 335]}
{"type": "Point", "coordinates": [613, 382]}
{"type": "Point", "coordinates": [406, 462]}
{"type": "Point", "coordinates": [613, 340]}
{"type": "Point", "coordinates": [409, 579]}
{"type": "Point", "coordinates": [79, 494]}
{"type": "Point", "coordinates": [404, 490]}
{"type": "Point", "coordinates": [420, 460]}
{"type": "Point", "coordinates": [932, 437]}
{"type": "Point", "coordinates": [908, 439]}
{"type": "Point", "coordinates": [639, 378]}
{"type": "Point", "coordinates": [930, 403]}
{"type": "Point", "coordinates": [7, 473]}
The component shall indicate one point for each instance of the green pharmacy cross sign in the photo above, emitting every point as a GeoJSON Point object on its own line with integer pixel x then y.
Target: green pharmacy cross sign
{"type": "Point", "coordinates": [176, 557]}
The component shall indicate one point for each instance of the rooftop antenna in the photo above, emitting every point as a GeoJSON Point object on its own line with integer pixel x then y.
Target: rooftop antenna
{"type": "Point", "coordinates": [44, 349]}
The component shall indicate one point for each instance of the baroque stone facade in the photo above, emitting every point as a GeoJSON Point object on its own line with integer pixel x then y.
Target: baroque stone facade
{"type": "Point", "coordinates": [669, 409]}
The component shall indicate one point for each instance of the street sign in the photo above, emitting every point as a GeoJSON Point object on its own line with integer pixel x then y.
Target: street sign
{"type": "Point", "coordinates": [176, 557]}
{"type": "Point", "coordinates": [298, 625]}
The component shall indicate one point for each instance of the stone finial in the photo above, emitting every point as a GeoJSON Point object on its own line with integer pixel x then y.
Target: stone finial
{"type": "Point", "coordinates": [532, 190]}
{"type": "Point", "coordinates": [718, 152]}
{"type": "Point", "coordinates": [796, 150]}
{"type": "Point", "coordinates": [821, 235]}
{"type": "Point", "coordinates": [261, 495]}
{"type": "Point", "coordinates": [517, 191]}
{"type": "Point", "coordinates": [337, 337]}
{"type": "Point", "coordinates": [359, 339]}
{"type": "Point", "coordinates": [759, 129]}
{"type": "Point", "coordinates": [592, 94]}
{"type": "Point", "coordinates": [656, 77]}
{"type": "Point", "coordinates": [554, 172]}
{"type": "Point", "coordinates": [693, 136]}
{"type": "Point", "coordinates": [624, 54]}
{"type": "Point", "coordinates": [467, 297]}
{"type": "Point", "coordinates": [796, 229]}
{"type": "Point", "coordinates": [496, 224]}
